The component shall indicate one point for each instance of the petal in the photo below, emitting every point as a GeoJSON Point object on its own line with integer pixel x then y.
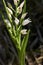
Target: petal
{"type": "Point", "coordinates": [23, 16]}
{"type": "Point", "coordinates": [19, 9]}
{"type": "Point", "coordinates": [24, 31]}
{"type": "Point", "coordinates": [16, 1]}
{"type": "Point", "coordinates": [25, 22]}
{"type": "Point", "coordinates": [22, 4]}
{"type": "Point", "coordinates": [7, 22]}
{"type": "Point", "coordinates": [16, 21]}
{"type": "Point", "coordinates": [9, 10]}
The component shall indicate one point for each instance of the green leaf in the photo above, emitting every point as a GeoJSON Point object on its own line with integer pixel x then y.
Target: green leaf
{"type": "Point", "coordinates": [24, 42]}
{"type": "Point", "coordinates": [23, 48]}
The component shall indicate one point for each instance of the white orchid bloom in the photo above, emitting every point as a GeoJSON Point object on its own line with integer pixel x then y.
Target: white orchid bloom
{"type": "Point", "coordinates": [25, 22]}
{"type": "Point", "coordinates": [7, 22]}
{"type": "Point", "coordinates": [22, 4]}
{"type": "Point", "coordinates": [24, 31]}
{"type": "Point", "coordinates": [23, 16]}
{"type": "Point", "coordinates": [16, 1]}
{"type": "Point", "coordinates": [10, 11]}
{"type": "Point", "coordinates": [19, 9]}
{"type": "Point", "coordinates": [16, 21]}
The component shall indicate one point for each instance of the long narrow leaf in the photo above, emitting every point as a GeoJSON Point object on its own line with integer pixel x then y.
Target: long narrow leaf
{"type": "Point", "coordinates": [23, 48]}
{"type": "Point", "coordinates": [24, 42]}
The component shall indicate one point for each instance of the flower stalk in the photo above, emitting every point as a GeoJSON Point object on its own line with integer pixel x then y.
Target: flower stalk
{"type": "Point", "coordinates": [15, 30]}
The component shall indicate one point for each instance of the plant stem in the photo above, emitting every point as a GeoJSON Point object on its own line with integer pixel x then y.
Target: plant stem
{"type": "Point", "coordinates": [22, 58]}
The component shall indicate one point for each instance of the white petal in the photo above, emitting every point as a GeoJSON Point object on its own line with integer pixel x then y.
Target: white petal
{"type": "Point", "coordinates": [19, 9]}
{"type": "Point", "coordinates": [24, 31]}
{"type": "Point", "coordinates": [9, 10]}
{"type": "Point", "coordinates": [7, 22]}
{"type": "Point", "coordinates": [22, 4]}
{"type": "Point", "coordinates": [25, 22]}
{"type": "Point", "coordinates": [23, 16]}
{"type": "Point", "coordinates": [16, 21]}
{"type": "Point", "coordinates": [16, 1]}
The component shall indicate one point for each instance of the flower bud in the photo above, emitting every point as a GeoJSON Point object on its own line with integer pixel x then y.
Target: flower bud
{"type": "Point", "coordinates": [7, 23]}
{"type": "Point", "coordinates": [23, 16]}
{"type": "Point", "coordinates": [19, 9]}
{"type": "Point", "coordinates": [10, 11]}
{"type": "Point", "coordinates": [22, 4]}
{"type": "Point", "coordinates": [16, 1]}
{"type": "Point", "coordinates": [16, 21]}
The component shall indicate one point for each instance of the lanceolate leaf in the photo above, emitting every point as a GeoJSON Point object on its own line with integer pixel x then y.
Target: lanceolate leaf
{"type": "Point", "coordinates": [23, 48]}
{"type": "Point", "coordinates": [24, 42]}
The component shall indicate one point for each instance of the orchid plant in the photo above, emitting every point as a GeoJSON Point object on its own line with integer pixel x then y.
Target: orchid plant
{"type": "Point", "coordinates": [15, 27]}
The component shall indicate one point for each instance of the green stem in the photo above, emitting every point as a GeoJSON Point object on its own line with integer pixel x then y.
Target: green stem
{"type": "Point", "coordinates": [22, 58]}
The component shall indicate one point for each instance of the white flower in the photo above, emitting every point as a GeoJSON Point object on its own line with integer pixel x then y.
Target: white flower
{"type": "Point", "coordinates": [19, 9]}
{"type": "Point", "coordinates": [7, 22]}
{"type": "Point", "coordinates": [23, 16]}
{"type": "Point", "coordinates": [10, 11]}
{"type": "Point", "coordinates": [25, 22]}
{"type": "Point", "coordinates": [16, 21]}
{"type": "Point", "coordinates": [24, 31]}
{"type": "Point", "coordinates": [16, 1]}
{"type": "Point", "coordinates": [22, 4]}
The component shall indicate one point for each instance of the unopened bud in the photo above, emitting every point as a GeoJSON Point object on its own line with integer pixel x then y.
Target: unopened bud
{"type": "Point", "coordinates": [10, 11]}
{"type": "Point", "coordinates": [19, 9]}
{"type": "Point", "coordinates": [16, 21]}
{"type": "Point", "coordinates": [7, 23]}
{"type": "Point", "coordinates": [16, 1]}
{"type": "Point", "coordinates": [23, 16]}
